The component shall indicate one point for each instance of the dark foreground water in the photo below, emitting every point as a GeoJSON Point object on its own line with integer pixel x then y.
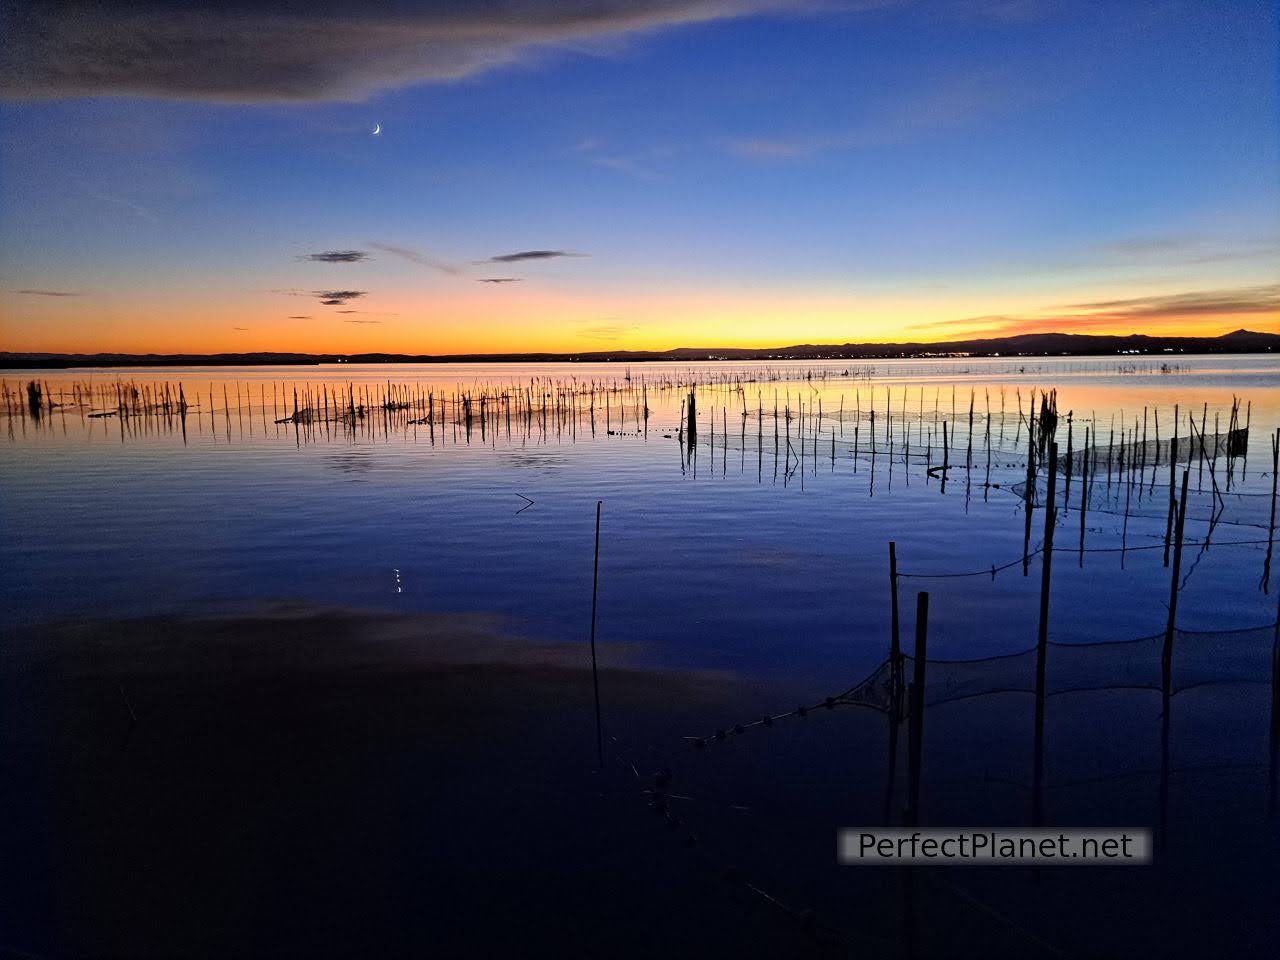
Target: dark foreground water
{"type": "Point", "coordinates": [323, 686]}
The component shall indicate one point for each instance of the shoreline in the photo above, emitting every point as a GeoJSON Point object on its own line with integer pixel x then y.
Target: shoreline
{"type": "Point", "coordinates": [1239, 342]}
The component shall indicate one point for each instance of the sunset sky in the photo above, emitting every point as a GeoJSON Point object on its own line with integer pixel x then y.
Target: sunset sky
{"type": "Point", "coordinates": [643, 175]}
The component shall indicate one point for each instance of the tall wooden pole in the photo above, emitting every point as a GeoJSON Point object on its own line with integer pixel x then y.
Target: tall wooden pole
{"type": "Point", "coordinates": [595, 676]}
{"type": "Point", "coordinates": [1042, 641]}
{"type": "Point", "coordinates": [895, 647]}
{"type": "Point", "coordinates": [917, 706]}
{"type": "Point", "coordinates": [1046, 568]}
{"type": "Point", "coordinates": [1275, 716]}
{"type": "Point", "coordinates": [895, 684]}
{"type": "Point", "coordinates": [1166, 659]}
{"type": "Point", "coordinates": [1168, 526]}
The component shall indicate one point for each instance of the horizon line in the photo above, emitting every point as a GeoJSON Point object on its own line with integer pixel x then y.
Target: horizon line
{"type": "Point", "coordinates": [1259, 341]}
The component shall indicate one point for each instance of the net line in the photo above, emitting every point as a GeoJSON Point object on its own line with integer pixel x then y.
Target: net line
{"type": "Point", "coordinates": [992, 570]}
{"type": "Point", "coordinates": [1200, 658]}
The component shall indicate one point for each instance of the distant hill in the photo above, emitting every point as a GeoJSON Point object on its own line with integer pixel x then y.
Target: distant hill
{"type": "Point", "coordinates": [1023, 345]}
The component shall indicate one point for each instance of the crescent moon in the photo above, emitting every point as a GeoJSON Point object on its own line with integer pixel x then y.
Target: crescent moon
{"type": "Point", "coordinates": [377, 129]}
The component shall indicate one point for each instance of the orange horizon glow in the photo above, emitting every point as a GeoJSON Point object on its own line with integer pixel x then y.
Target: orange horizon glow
{"type": "Point", "coordinates": [850, 177]}
{"type": "Point", "coordinates": [549, 321]}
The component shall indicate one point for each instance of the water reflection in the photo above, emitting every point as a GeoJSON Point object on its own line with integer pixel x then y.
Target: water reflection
{"type": "Point", "coordinates": [744, 569]}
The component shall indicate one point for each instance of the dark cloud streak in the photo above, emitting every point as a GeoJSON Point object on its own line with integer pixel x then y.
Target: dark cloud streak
{"type": "Point", "coordinates": [334, 298]}
{"type": "Point", "coordinates": [323, 50]}
{"type": "Point", "coordinates": [523, 255]}
{"type": "Point", "coordinates": [1119, 314]}
{"type": "Point", "coordinates": [1264, 299]}
{"type": "Point", "coordinates": [421, 259]}
{"type": "Point", "coordinates": [608, 330]}
{"type": "Point", "coordinates": [336, 256]}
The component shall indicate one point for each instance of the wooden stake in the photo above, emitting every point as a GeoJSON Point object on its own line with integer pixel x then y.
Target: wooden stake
{"type": "Point", "coordinates": [1166, 658]}
{"type": "Point", "coordinates": [917, 707]}
{"type": "Point", "coordinates": [595, 677]}
{"type": "Point", "coordinates": [895, 648]}
{"type": "Point", "coordinates": [1050, 517]}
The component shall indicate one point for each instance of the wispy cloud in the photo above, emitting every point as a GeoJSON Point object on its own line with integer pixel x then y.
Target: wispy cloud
{"type": "Point", "coordinates": [1005, 11]}
{"type": "Point", "coordinates": [137, 209]}
{"type": "Point", "coordinates": [904, 117]}
{"type": "Point", "coordinates": [1133, 314]}
{"type": "Point", "coordinates": [608, 329]}
{"type": "Point", "coordinates": [327, 50]}
{"type": "Point", "coordinates": [634, 163]}
{"type": "Point", "coordinates": [523, 255]}
{"type": "Point", "coordinates": [241, 329]}
{"type": "Point", "coordinates": [301, 317]}
{"type": "Point", "coordinates": [1156, 243]}
{"type": "Point", "coordinates": [759, 147]}
{"type": "Point", "coordinates": [50, 293]}
{"type": "Point", "coordinates": [498, 279]}
{"type": "Point", "coordinates": [1157, 258]}
{"type": "Point", "coordinates": [623, 165]}
{"type": "Point", "coordinates": [1260, 299]}
{"type": "Point", "coordinates": [421, 259]}
{"type": "Point", "coordinates": [362, 322]}
{"type": "Point", "coordinates": [331, 298]}
{"type": "Point", "coordinates": [1004, 324]}
{"type": "Point", "coordinates": [336, 256]}
{"type": "Point", "coordinates": [1180, 249]}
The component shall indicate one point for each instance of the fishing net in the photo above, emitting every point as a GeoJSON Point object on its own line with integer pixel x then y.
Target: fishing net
{"type": "Point", "coordinates": [1140, 480]}
{"type": "Point", "coordinates": [1132, 454]}
{"type": "Point", "coordinates": [1199, 658]}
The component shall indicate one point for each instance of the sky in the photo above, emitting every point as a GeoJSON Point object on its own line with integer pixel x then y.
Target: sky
{"type": "Point", "coordinates": [576, 175]}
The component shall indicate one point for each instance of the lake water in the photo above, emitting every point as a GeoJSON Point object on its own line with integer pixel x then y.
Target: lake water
{"type": "Point", "coordinates": [743, 559]}
{"type": "Point", "coordinates": [749, 561]}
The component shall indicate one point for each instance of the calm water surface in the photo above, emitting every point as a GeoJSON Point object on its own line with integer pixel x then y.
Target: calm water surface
{"type": "Point", "coordinates": [758, 554]}
{"type": "Point", "coordinates": [742, 557]}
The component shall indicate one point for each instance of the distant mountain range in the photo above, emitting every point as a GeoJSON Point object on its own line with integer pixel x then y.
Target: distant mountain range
{"type": "Point", "coordinates": [1023, 345]}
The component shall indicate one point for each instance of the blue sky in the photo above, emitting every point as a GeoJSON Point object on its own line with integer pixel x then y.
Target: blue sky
{"type": "Point", "coordinates": [823, 172]}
